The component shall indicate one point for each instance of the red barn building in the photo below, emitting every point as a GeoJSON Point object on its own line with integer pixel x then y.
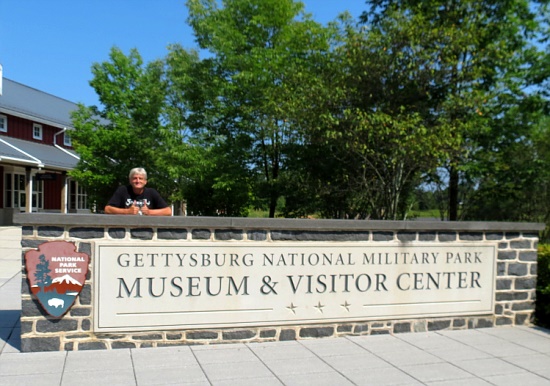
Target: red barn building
{"type": "Point", "coordinates": [36, 153]}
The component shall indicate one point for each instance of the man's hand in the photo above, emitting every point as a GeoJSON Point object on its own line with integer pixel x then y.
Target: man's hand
{"type": "Point", "coordinates": [145, 210]}
{"type": "Point", "coordinates": [134, 209]}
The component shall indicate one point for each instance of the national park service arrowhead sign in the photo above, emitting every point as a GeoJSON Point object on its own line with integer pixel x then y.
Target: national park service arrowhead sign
{"type": "Point", "coordinates": [56, 274]}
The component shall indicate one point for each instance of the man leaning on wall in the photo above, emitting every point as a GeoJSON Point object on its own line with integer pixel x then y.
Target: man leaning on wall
{"type": "Point", "coordinates": [136, 198]}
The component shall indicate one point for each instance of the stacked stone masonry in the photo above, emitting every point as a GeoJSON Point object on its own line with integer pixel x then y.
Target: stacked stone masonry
{"type": "Point", "coordinates": [514, 295]}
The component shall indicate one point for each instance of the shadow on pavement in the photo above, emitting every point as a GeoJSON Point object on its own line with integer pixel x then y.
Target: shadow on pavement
{"type": "Point", "coordinates": [10, 331]}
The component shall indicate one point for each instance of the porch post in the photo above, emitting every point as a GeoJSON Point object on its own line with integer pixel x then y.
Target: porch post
{"type": "Point", "coordinates": [28, 190]}
{"type": "Point", "coordinates": [64, 193]}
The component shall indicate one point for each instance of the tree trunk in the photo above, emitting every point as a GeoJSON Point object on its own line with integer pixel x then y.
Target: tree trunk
{"type": "Point", "coordinates": [453, 194]}
{"type": "Point", "coordinates": [272, 205]}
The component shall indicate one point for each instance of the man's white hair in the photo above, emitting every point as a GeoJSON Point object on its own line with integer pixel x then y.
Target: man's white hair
{"type": "Point", "coordinates": [137, 171]}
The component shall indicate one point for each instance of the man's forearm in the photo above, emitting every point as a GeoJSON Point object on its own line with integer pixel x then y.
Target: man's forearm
{"type": "Point", "coordinates": [114, 210]}
{"type": "Point", "coordinates": [161, 212]}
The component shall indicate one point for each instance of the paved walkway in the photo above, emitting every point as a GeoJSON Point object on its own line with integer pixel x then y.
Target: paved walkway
{"type": "Point", "coordinates": [490, 356]}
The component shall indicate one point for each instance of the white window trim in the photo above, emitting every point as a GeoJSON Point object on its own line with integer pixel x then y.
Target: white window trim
{"type": "Point", "coordinates": [4, 127]}
{"type": "Point", "coordinates": [16, 190]}
{"type": "Point", "coordinates": [78, 199]}
{"type": "Point", "coordinates": [34, 127]}
{"type": "Point", "coordinates": [67, 139]}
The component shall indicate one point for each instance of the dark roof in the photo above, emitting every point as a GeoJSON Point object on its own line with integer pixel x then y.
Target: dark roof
{"type": "Point", "coordinates": [37, 106]}
{"type": "Point", "coordinates": [27, 102]}
{"type": "Point", "coordinates": [35, 154]}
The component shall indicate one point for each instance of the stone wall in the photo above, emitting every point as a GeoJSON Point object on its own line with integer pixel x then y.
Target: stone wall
{"type": "Point", "coordinates": [514, 296]}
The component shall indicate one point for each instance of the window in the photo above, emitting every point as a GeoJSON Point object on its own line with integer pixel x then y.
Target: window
{"type": "Point", "coordinates": [78, 198]}
{"type": "Point", "coordinates": [67, 139]}
{"type": "Point", "coordinates": [15, 194]}
{"type": "Point", "coordinates": [37, 131]}
{"type": "Point", "coordinates": [3, 123]}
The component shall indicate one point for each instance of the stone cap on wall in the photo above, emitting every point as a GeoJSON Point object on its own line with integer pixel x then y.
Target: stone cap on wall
{"type": "Point", "coordinates": [103, 220]}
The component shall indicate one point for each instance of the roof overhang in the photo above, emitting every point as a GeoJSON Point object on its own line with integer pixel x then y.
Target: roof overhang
{"type": "Point", "coordinates": [31, 154]}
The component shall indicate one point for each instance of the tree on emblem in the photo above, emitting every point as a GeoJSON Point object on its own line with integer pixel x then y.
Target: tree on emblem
{"type": "Point", "coordinates": [42, 274]}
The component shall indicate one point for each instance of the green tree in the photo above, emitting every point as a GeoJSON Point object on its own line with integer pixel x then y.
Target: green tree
{"type": "Point", "coordinates": [482, 55]}
{"type": "Point", "coordinates": [262, 78]}
{"type": "Point", "coordinates": [212, 167]}
{"type": "Point", "coordinates": [126, 131]}
{"type": "Point", "coordinates": [375, 134]}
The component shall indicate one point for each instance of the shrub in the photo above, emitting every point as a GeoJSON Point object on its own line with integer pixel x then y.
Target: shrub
{"type": "Point", "coordinates": [542, 308]}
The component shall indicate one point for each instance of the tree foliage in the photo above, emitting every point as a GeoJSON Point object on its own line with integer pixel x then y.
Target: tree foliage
{"type": "Point", "coordinates": [481, 59]}
{"type": "Point", "coordinates": [343, 120]}
{"type": "Point", "coordinates": [262, 76]}
{"type": "Point", "coordinates": [124, 133]}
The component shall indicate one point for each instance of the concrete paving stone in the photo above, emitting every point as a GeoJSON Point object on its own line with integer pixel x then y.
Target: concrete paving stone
{"type": "Point", "coordinates": [535, 362]}
{"type": "Point", "coordinates": [461, 353]}
{"type": "Point", "coordinates": [332, 347]}
{"type": "Point", "coordinates": [11, 348]}
{"type": "Point", "coordinates": [430, 341]}
{"type": "Point", "coordinates": [488, 366]}
{"type": "Point", "coordinates": [13, 344]}
{"type": "Point", "coordinates": [32, 363]}
{"type": "Point", "coordinates": [181, 356]}
{"type": "Point", "coordinates": [319, 379]}
{"type": "Point", "coordinates": [273, 350]}
{"type": "Point", "coordinates": [384, 377]}
{"type": "Point", "coordinates": [5, 332]}
{"type": "Point", "coordinates": [223, 346]}
{"type": "Point", "coordinates": [10, 300]}
{"type": "Point", "coordinates": [299, 366]}
{"type": "Point", "coordinates": [535, 344]}
{"type": "Point", "coordinates": [237, 354]}
{"type": "Point", "coordinates": [470, 337]}
{"type": "Point", "coordinates": [380, 343]}
{"type": "Point", "coordinates": [9, 337]}
{"type": "Point", "coordinates": [545, 373]}
{"type": "Point", "coordinates": [436, 372]}
{"type": "Point", "coordinates": [524, 338]}
{"type": "Point", "coordinates": [524, 378]}
{"type": "Point", "coordinates": [101, 360]}
{"type": "Point", "coordinates": [9, 318]}
{"type": "Point", "coordinates": [237, 370]}
{"type": "Point", "coordinates": [50, 379]}
{"type": "Point", "coordinates": [410, 356]}
{"type": "Point", "coordinates": [9, 266]}
{"type": "Point", "coordinates": [504, 349]}
{"type": "Point", "coordinates": [204, 383]}
{"type": "Point", "coordinates": [169, 375]}
{"type": "Point", "coordinates": [509, 333]}
{"type": "Point", "coordinates": [535, 330]}
{"type": "Point", "coordinates": [268, 381]}
{"type": "Point", "coordinates": [13, 284]}
{"type": "Point", "coordinates": [460, 382]}
{"type": "Point", "coordinates": [344, 363]}
{"type": "Point", "coordinates": [124, 376]}
{"type": "Point", "coordinates": [11, 303]}
{"type": "Point", "coordinates": [12, 295]}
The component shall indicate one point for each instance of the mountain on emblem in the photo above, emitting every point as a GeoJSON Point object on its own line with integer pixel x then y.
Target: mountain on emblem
{"type": "Point", "coordinates": [67, 280]}
{"type": "Point", "coordinates": [64, 285]}
{"type": "Point", "coordinates": [56, 273]}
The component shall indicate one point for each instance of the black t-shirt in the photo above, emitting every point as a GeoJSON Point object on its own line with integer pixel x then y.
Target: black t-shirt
{"type": "Point", "coordinates": [124, 197]}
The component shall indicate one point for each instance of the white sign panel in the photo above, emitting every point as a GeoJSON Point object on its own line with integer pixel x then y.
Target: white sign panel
{"type": "Point", "coordinates": [160, 286]}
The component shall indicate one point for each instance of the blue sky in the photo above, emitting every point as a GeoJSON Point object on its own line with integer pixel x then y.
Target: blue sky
{"type": "Point", "coordinates": [51, 45]}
